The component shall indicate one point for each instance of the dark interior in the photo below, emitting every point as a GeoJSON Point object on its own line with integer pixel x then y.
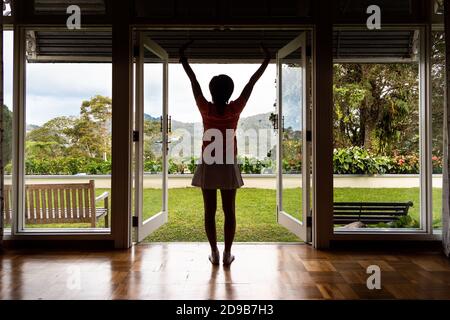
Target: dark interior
{"type": "Point", "coordinates": [214, 45]}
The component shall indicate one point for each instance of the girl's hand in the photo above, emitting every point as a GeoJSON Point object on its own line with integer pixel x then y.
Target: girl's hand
{"type": "Point", "coordinates": [184, 47]}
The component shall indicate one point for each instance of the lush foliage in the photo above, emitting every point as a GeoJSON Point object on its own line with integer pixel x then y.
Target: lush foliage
{"type": "Point", "coordinates": [353, 160]}
{"type": "Point", "coordinates": [87, 136]}
{"type": "Point", "coordinates": [356, 160]}
{"type": "Point", "coordinates": [376, 107]}
{"type": "Point", "coordinates": [64, 166]}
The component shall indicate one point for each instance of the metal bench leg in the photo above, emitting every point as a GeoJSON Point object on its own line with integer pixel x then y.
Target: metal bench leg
{"type": "Point", "coordinates": [106, 204]}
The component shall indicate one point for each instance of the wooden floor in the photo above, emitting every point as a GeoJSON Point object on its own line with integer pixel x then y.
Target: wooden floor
{"type": "Point", "coordinates": [182, 271]}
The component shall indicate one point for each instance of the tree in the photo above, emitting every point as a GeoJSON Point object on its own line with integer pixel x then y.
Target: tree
{"type": "Point", "coordinates": [92, 130]}
{"type": "Point", "coordinates": [86, 136]}
{"type": "Point", "coordinates": [376, 106]}
{"type": "Point", "coordinates": [53, 139]}
{"type": "Point", "coordinates": [152, 139]}
{"type": "Point", "coordinates": [7, 135]}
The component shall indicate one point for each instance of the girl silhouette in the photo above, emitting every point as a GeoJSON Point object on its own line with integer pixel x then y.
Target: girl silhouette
{"type": "Point", "coordinates": [218, 169]}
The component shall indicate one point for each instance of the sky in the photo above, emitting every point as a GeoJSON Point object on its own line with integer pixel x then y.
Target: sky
{"type": "Point", "coordinates": [54, 90]}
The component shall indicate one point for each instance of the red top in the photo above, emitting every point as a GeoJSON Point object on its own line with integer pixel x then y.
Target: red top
{"type": "Point", "coordinates": [212, 119]}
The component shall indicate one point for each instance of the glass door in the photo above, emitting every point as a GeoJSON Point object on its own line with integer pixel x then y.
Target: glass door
{"type": "Point", "coordinates": [294, 139]}
{"type": "Point", "coordinates": [151, 138]}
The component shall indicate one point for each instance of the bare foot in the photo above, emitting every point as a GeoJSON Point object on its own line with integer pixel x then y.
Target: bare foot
{"type": "Point", "coordinates": [228, 258]}
{"type": "Point", "coordinates": [214, 257]}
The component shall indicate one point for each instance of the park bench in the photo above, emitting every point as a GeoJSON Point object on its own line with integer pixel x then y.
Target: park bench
{"type": "Point", "coordinates": [369, 212]}
{"type": "Point", "coordinates": [59, 203]}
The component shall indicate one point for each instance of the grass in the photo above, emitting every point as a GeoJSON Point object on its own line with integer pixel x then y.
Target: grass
{"type": "Point", "coordinates": [255, 210]}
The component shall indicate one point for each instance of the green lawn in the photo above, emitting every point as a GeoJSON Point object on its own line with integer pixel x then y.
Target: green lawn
{"type": "Point", "coordinates": [255, 209]}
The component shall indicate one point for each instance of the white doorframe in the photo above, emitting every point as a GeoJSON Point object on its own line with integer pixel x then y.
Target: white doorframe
{"type": "Point", "coordinates": [299, 228]}
{"type": "Point", "coordinates": [146, 227]}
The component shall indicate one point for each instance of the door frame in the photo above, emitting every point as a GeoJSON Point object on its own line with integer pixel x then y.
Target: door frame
{"type": "Point", "coordinates": [146, 227]}
{"type": "Point", "coordinates": [301, 228]}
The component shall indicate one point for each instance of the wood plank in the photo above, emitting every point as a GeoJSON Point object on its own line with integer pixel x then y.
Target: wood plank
{"type": "Point", "coordinates": [86, 203]}
{"type": "Point", "coordinates": [37, 208]}
{"type": "Point", "coordinates": [51, 212]}
{"type": "Point", "coordinates": [56, 204]}
{"type": "Point", "coordinates": [80, 204]}
{"type": "Point", "coordinates": [43, 193]}
{"type": "Point", "coordinates": [62, 204]}
{"type": "Point", "coordinates": [92, 203]}
{"type": "Point", "coordinates": [74, 203]}
{"type": "Point", "coordinates": [67, 205]}
{"type": "Point", "coordinates": [32, 214]}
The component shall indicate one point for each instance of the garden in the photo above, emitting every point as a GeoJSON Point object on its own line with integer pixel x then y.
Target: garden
{"type": "Point", "coordinates": [352, 160]}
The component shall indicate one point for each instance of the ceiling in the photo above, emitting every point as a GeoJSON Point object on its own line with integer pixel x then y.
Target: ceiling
{"type": "Point", "coordinates": [90, 7]}
{"type": "Point", "coordinates": [222, 45]}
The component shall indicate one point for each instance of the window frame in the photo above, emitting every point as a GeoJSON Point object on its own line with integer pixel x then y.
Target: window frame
{"type": "Point", "coordinates": [18, 230]}
{"type": "Point", "coordinates": [425, 150]}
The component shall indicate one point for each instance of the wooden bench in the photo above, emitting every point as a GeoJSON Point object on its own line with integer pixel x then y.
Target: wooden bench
{"type": "Point", "coordinates": [369, 212]}
{"type": "Point", "coordinates": [60, 203]}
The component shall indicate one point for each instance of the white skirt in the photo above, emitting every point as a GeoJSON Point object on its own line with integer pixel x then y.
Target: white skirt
{"type": "Point", "coordinates": [217, 176]}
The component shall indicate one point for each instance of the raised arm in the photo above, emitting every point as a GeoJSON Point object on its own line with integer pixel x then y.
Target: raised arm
{"type": "Point", "coordinates": [247, 91]}
{"type": "Point", "coordinates": [196, 89]}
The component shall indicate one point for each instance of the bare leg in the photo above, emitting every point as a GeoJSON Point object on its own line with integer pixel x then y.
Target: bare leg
{"type": "Point", "coordinates": [229, 209]}
{"type": "Point", "coordinates": [210, 205]}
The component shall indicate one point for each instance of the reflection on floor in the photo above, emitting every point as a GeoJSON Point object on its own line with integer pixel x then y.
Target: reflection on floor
{"type": "Point", "coordinates": [182, 271]}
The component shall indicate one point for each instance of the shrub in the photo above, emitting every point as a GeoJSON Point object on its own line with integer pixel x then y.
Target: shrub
{"type": "Point", "coordinates": [192, 164]}
{"type": "Point", "coordinates": [252, 165]}
{"type": "Point", "coordinates": [437, 164]}
{"type": "Point", "coordinates": [354, 160]}
{"type": "Point", "coordinates": [66, 166]}
{"type": "Point", "coordinates": [153, 166]}
{"type": "Point", "coordinates": [176, 167]}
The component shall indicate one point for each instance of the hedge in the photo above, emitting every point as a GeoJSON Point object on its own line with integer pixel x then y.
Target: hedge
{"type": "Point", "coordinates": [352, 160]}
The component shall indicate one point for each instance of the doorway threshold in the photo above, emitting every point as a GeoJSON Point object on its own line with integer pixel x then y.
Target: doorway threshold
{"type": "Point", "coordinates": [221, 243]}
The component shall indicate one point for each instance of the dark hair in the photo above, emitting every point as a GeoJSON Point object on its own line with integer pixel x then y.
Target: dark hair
{"type": "Point", "coordinates": [221, 88]}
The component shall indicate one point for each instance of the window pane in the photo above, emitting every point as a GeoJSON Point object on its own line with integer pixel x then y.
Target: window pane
{"type": "Point", "coordinates": [376, 136]}
{"type": "Point", "coordinates": [438, 94]}
{"type": "Point", "coordinates": [7, 122]}
{"type": "Point", "coordinates": [68, 130]}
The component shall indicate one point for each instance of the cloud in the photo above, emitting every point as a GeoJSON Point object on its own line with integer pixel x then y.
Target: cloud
{"type": "Point", "coordinates": [58, 89]}
{"type": "Point", "coordinates": [40, 109]}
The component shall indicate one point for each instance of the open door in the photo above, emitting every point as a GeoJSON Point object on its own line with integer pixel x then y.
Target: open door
{"type": "Point", "coordinates": [151, 138]}
{"type": "Point", "coordinates": [294, 139]}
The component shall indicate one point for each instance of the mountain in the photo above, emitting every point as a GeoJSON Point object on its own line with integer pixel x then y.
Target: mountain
{"type": "Point", "coordinates": [150, 118]}
{"type": "Point", "coordinates": [31, 127]}
{"type": "Point", "coordinates": [255, 134]}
